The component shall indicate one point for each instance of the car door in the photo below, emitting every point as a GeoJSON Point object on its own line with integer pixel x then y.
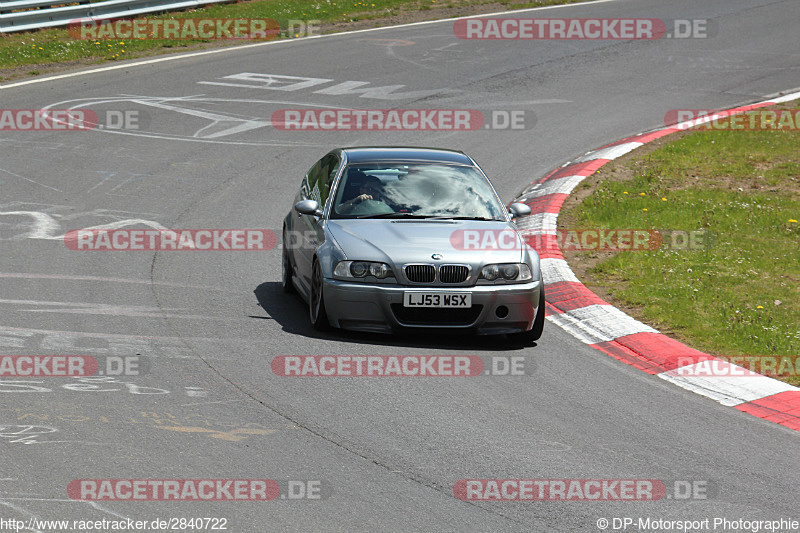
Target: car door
{"type": "Point", "coordinates": [316, 186]}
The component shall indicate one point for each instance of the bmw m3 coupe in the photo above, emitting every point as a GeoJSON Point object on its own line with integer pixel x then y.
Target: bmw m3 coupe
{"type": "Point", "coordinates": [385, 239]}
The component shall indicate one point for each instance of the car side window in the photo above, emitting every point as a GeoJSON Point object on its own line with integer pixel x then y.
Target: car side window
{"type": "Point", "coordinates": [310, 189]}
{"type": "Point", "coordinates": [320, 178]}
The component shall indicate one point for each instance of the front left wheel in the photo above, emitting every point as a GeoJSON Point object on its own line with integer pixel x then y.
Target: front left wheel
{"type": "Point", "coordinates": [535, 333]}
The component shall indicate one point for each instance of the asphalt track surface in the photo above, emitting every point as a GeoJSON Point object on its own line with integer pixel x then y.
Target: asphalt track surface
{"type": "Point", "coordinates": [387, 451]}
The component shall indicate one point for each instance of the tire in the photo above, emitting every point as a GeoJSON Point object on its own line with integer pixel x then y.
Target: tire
{"type": "Point", "coordinates": [535, 333]}
{"type": "Point", "coordinates": [286, 267]}
{"type": "Point", "coordinates": [316, 301]}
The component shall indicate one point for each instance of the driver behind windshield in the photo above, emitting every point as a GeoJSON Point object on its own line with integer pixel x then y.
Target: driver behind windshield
{"type": "Point", "coordinates": [371, 188]}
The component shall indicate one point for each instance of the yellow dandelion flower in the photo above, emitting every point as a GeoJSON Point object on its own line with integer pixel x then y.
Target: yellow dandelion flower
{"type": "Point", "coordinates": [644, 209]}
{"type": "Point", "coordinates": [641, 194]}
{"type": "Point", "coordinates": [624, 192]}
{"type": "Point", "coordinates": [792, 221]}
{"type": "Point", "coordinates": [663, 199]}
{"type": "Point", "coordinates": [760, 307]}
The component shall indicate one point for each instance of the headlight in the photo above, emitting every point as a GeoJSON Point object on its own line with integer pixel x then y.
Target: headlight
{"type": "Point", "coordinates": [490, 272]}
{"type": "Point", "coordinates": [361, 269]}
{"type": "Point", "coordinates": [507, 271]}
{"type": "Point", "coordinates": [379, 270]}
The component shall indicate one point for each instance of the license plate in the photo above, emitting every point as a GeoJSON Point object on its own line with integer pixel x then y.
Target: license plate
{"type": "Point", "coordinates": [437, 299]}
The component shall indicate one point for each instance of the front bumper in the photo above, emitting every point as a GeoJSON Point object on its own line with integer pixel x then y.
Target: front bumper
{"type": "Point", "coordinates": [496, 309]}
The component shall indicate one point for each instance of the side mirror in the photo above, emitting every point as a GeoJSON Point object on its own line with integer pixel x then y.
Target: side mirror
{"type": "Point", "coordinates": [519, 210]}
{"type": "Point", "coordinates": [308, 207]}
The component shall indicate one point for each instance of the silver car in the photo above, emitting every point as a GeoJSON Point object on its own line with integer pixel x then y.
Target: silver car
{"type": "Point", "coordinates": [383, 239]}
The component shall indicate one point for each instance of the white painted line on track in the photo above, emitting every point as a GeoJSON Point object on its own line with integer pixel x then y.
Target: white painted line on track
{"type": "Point", "coordinates": [563, 185]}
{"type": "Point", "coordinates": [539, 221]}
{"type": "Point", "coordinates": [786, 98]}
{"type": "Point", "coordinates": [555, 270]}
{"type": "Point", "coordinates": [612, 152]}
{"type": "Point", "coordinates": [277, 43]}
{"type": "Point", "coordinates": [603, 322]}
{"type": "Point", "coordinates": [727, 390]}
{"type": "Point", "coordinates": [570, 325]}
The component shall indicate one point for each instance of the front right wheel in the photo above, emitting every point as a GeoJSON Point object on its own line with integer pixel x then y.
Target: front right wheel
{"type": "Point", "coordinates": [316, 303]}
{"type": "Point", "coordinates": [287, 270]}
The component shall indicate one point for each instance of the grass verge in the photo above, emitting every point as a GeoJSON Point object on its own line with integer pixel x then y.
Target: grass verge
{"type": "Point", "coordinates": [43, 51]}
{"type": "Point", "coordinates": [740, 294]}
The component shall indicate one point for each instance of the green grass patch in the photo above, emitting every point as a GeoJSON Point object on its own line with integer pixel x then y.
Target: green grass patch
{"type": "Point", "coordinates": [53, 46]}
{"type": "Point", "coordinates": [740, 294]}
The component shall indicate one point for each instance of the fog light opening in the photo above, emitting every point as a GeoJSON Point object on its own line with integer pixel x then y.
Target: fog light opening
{"type": "Point", "coordinates": [501, 311]}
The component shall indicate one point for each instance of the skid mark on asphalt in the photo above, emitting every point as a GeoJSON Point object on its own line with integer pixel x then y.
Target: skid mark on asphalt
{"type": "Point", "coordinates": [234, 435]}
{"type": "Point", "coordinates": [208, 403]}
{"type": "Point", "coordinates": [27, 275]}
{"type": "Point", "coordinates": [29, 180]}
{"type": "Point", "coordinates": [123, 178]}
{"type": "Point", "coordinates": [41, 340]}
{"type": "Point", "coordinates": [27, 434]}
{"type": "Point", "coordinates": [23, 511]}
{"type": "Point", "coordinates": [31, 516]}
{"type": "Point", "coordinates": [388, 42]}
{"type": "Point", "coordinates": [108, 309]}
{"type": "Point", "coordinates": [192, 424]}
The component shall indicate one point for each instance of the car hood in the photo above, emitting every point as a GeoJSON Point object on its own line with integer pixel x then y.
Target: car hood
{"type": "Point", "coordinates": [397, 242]}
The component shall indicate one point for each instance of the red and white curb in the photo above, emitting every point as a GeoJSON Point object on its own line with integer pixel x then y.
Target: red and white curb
{"type": "Point", "coordinates": [586, 316]}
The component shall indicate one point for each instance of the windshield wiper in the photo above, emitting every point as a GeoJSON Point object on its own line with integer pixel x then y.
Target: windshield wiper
{"type": "Point", "coordinates": [394, 215]}
{"type": "Point", "coordinates": [445, 217]}
{"type": "Point", "coordinates": [427, 217]}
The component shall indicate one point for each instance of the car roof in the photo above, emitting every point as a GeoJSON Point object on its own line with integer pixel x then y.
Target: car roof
{"type": "Point", "coordinates": [364, 154]}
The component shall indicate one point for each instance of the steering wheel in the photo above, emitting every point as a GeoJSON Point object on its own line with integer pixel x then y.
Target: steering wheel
{"type": "Point", "coordinates": [370, 207]}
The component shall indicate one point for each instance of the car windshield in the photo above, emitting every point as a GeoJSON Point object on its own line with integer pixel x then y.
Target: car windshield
{"type": "Point", "coordinates": [415, 190]}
